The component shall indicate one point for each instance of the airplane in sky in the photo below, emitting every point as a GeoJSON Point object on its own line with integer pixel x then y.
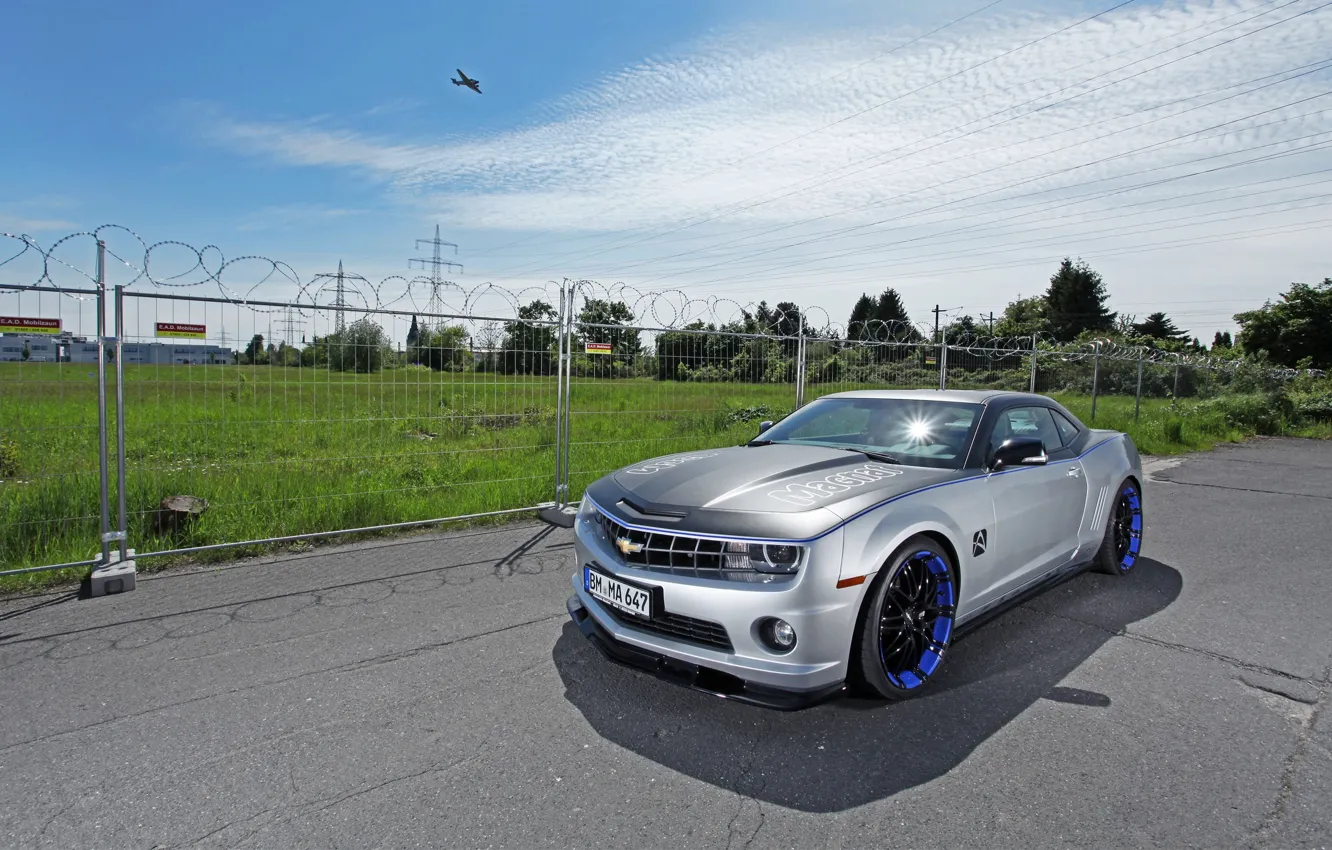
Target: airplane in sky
{"type": "Point", "coordinates": [474, 85]}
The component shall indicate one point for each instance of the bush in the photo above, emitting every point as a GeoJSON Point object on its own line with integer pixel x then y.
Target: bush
{"type": "Point", "coordinates": [1173, 430]}
{"type": "Point", "coordinates": [1261, 413]}
{"type": "Point", "coordinates": [9, 458]}
{"type": "Point", "coordinates": [1314, 407]}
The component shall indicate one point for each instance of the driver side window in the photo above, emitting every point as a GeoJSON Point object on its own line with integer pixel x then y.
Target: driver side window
{"type": "Point", "coordinates": [1026, 422]}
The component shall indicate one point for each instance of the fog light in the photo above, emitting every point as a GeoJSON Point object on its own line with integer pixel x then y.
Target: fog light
{"type": "Point", "coordinates": [778, 634]}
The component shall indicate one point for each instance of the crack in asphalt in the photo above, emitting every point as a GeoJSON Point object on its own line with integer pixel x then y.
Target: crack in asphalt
{"type": "Point", "coordinates": [1244, 489]}
{"type": "Point", "coordinates": [1264, 833]}
{"type": "Point", "coordinates": [1181, 647]}
{"type": "Point", "coordinates": [340, 668]}
{"type": "Point", "coordinates": [745, 797]}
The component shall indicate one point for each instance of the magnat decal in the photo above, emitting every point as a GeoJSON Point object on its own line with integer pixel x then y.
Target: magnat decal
{"type": "Point", "coordinates": [811, 491]}
{"type": "Point", "coordinates": [666, 463]}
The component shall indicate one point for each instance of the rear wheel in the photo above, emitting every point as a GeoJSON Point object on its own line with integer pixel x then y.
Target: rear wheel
{"type": "Point", "coordinates": [1123, 532]}
{"type": "Point", "coordinates": [907, 624]}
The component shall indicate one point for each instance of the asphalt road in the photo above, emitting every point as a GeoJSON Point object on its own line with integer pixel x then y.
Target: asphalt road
{"type": "Point", "coordinates": [431, 693]}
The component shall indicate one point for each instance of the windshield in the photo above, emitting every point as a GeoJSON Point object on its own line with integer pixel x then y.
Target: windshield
{"type": "Point", "coordinates": [915, 432]}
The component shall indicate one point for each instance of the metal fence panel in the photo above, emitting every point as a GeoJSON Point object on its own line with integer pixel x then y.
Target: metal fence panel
{"type": "Point", "coordinates": [51, 434]}
{"type": "Point", "coordinates": [327, 419]}
{"type": "Point", "coordinates": [638, 392]}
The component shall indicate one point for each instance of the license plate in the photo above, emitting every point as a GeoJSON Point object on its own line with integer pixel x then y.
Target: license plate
{"type": "Point", "coordinates": [626, 597]}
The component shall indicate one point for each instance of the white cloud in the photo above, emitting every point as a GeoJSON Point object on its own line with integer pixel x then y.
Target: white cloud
{"type": "Point", "coordinates": [815, 132]}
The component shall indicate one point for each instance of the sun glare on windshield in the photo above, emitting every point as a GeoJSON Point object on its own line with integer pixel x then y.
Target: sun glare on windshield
{"type": "Point", "coordinates": [918, 430]}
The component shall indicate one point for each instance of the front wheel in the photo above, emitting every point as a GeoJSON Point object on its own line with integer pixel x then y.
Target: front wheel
{"type": "Point", "coordinates": [1123, 532]}
{"type": "Point", "coordinates": [907, 623]}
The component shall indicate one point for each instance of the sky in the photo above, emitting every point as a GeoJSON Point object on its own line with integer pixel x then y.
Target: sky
{"type": "Point", "coordinates": [720, 151]}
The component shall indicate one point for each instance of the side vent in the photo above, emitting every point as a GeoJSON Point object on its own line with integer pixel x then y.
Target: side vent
{"type": "Point", "coordinates": [1101, 499]}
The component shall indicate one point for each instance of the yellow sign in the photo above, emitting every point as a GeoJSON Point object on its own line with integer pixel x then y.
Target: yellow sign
{"type": "Point", "coordinates": [175, 329]}
{"type": "Point", "coordinates": [21, 325]}
{"type": "Point", "coordinates": [598, 348]}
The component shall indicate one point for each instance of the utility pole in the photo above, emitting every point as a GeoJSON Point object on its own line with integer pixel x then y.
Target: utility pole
{"type": "Point", "coordinates": [436, 263]}
{"type": "Point", "coordinates": [991, 323]}
{"type": "Point", "coordinates": [936, 312]}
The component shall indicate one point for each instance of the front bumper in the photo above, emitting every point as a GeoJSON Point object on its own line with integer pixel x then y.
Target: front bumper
{"type": "Point", "coordinates": [694, 676]}
{"type": "Point", "coordinates": [730, 660]}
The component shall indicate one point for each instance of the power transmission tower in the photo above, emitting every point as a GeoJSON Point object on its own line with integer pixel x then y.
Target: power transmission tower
{"type": "Point", "coordinates": [436, 263]}
{"type": "Point", "coordinates": [340, 281]}
{"type": "Point", "coordinates": [289, 326]}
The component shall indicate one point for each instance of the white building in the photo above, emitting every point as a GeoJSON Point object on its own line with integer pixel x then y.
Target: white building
{"type": "Point", "coordinates": [46, 349]}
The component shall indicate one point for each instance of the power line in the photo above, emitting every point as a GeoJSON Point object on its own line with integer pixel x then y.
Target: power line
{"type": "Point", "coordinates": [847, 231]}
{"type": "Point", "coordinates": [736, 208]}
{"type": "Point", "coordinates": [906, 44]}
{"type": "Point", "coordinates": [1323, 65]}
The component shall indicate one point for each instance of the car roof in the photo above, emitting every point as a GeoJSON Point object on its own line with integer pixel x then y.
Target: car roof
{"type": "Point", "coordinates": [964, 396]}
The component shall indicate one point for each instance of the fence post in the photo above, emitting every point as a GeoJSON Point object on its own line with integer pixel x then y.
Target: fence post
{"type": "Point", "coordinates": [562, 341]}
{"type": "Point", "coordinates": [568, 385]}
{"type": "Point", "coordinates": [800, 365]}
{"type": "Point", "coordinates": [1174, 393]}
{"type": "Point", "coordinates": [1137, 399]}
{"type": "Point", "coordinates": [943, 360]}
{"type": "Point", "coordinates": [113, 573]}
{"type": "Point", "coordinates": [122, 526]}
{"type": "Point", "coordinates": [1096, 374]}
{"type": "Point", "coordinates": [1033, 362]}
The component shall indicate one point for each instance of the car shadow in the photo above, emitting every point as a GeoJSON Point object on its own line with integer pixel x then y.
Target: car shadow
{"type": "Point", "coordinates": [851, 752]}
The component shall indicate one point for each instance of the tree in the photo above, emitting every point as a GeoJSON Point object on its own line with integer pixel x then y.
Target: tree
{"type": "Point", "coordinates": [445, 349]}
{"type": "Point", "coordinates": [861, 313]}
{"type": "Point", "coordinates": [361, 347]}
{"type": "Point", "coordinates": [789, 323]}
{"type": "Point", "coordinates": [528, 346]}
{"type": "Point", "coordinates": [600, 320]}
{"type": "Point", "coordinates": [1075, 301]}
{"type": "Point", "coordinates": [254, 352]}
{"type": "Point", "coordinates": [962, 331]}
{"type": "Point", "coordinates": [1222, 340]}
{"type": "Point", "coordinates": [1023, 317]}
{"type": "Point", "coordinates": [1159, 326]}
{"type": "Point", "coordinates": [889, 309]}
{"type": "Point", "coordinates": [1296, 331]}
{"type": "Point", "coordinates": [413, 341]}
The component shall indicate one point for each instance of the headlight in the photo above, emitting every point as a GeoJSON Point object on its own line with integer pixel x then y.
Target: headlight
{"type": "Point", "coordinates": [587, 514]}
{"type": "Point", "coordinates": [764, 557]}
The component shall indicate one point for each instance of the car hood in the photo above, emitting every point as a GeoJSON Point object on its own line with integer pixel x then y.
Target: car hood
{"type": "Point", "coordinates": [779, 490]}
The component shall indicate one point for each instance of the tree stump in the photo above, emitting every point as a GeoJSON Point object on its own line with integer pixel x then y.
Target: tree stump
{"type": "Point", "coordinates": [177, 512]}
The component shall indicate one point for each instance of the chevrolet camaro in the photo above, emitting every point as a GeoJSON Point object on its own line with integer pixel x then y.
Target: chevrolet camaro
{"type": "Point", "coordinates": [847, 546]}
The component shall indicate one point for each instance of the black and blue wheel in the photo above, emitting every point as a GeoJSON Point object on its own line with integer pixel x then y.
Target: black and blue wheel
{"type": "Point", "coordinates": [906, 625]}
{"type": "Point", "coordinates": [1122, 544]}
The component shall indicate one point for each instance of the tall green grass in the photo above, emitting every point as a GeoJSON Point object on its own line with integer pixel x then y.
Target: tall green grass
{"type": "Point", "coordinates": [283, 451]}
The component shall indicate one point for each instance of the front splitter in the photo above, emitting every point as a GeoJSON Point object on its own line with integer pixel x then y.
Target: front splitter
{"type": "Point", "coordinates": [694, 676]}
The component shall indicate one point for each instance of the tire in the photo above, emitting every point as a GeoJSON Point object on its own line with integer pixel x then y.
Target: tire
{"type": "Point", "coordinates": [1122, 544]}
{"type": "Point", "coordinates": [906, 625]}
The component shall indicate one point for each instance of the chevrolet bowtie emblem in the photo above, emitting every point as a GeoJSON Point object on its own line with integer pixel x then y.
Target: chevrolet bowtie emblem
{"type": "Point", "coordinates": [627, 546]}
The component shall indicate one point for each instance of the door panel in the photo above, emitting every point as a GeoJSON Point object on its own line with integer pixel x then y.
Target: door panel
{"type": "Point", "coordinates": [1037, 509]}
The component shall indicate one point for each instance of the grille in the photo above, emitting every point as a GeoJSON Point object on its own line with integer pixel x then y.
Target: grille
{"type": "Point", "coordinates": [678, 626]}
{"type": "Point", "coordinates": [677, 554]}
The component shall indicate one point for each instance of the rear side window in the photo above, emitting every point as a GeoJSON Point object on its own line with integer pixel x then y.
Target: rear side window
{"type": "Point", "coordinates": [1068, 432]}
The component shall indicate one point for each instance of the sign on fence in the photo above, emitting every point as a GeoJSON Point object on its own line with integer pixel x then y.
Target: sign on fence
{"type": "Point", "coordinates": [598, 348]}
{"type": "Point", "coordinates": [22, 325]}
{"type": "Point", "coordinates": [175, 329]}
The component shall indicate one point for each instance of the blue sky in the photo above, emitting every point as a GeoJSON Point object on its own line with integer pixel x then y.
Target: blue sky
{"type": "Point", "coordinates": [694, 144]}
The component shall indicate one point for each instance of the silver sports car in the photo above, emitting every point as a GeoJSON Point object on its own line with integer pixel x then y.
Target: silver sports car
{"type": "Point", "coordinates": [848, 545]}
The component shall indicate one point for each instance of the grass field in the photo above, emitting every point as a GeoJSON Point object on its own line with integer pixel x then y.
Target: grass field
{"type": "Point", "coordinates": [281, 451]}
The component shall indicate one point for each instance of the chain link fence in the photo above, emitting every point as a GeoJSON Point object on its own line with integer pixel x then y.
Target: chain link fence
{"type": "Point", "coordinates": [236, 405]}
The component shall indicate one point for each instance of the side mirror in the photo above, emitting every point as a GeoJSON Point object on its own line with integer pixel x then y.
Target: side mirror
{"type": "Point", "coordinates": [765, 425]}
{"type": "Point", "coordinates": [1019, 451]}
